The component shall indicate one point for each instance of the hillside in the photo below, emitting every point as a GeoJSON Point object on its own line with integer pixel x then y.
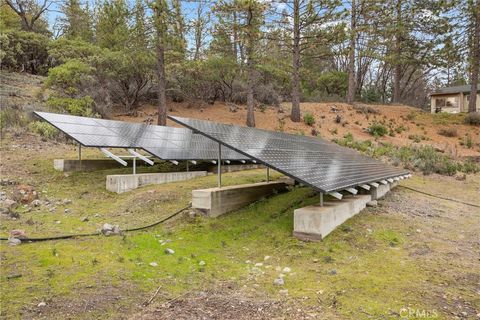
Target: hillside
{"type": "Point", "coordinates": [407, 125]}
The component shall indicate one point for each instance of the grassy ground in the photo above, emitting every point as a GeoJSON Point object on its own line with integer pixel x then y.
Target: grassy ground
{"type": "Point", "coordinates": [412, 252]}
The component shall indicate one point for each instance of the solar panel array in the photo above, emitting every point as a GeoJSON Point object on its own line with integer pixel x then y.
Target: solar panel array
{"type": "Point", "coordinates": [166, 143]}
{"type": "Point", "coordinates": [323, 165]}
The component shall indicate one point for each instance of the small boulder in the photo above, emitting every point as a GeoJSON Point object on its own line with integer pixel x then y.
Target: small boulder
{"type": "Point", "coordinates": [24, 194]}
{"type": "Point", "coordinates": [18, 233]}
{"type": "Point", "coordinates": [332, 272]}
{"type": "Point", "coordinates": [202, 263]}
{"type": "Point", "coordinates": [36, 203]}
{"type": "Point", "coordinates": [7, 205]}
{"type": "Point", "coordinates": [373, 203]}
{"type": "Point", "coordinates": [153, 264]}
{"type": "Point", "coordinates": [286, 270]}
{"type": "Point", "coordinates": [279, 282]}
{"type": "Point", "coordinates": [84, 219]}
{"type": "Point", "coordinates": [109, 229]}
{"type": "Point", "coordinates": [14, 241]}
{"type": "Point", "coordinates": [169, 251]}
{"type": "Point", "coordinates": [41, 304]}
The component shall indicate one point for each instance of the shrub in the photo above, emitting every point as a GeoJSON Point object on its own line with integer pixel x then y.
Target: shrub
{"type": "Point", "coordinates": [377, 129]}
{"type": "Point", "coordinates": [44, 129]}
{"type": "Point", "coordinates": [309, 119]}
{"type": "Point", "coordinates": [473, 118]}
{"type": "Point", "coordinates": [370, 95]}
{"type": "Point", "coordinates": [12, 117]}
{"type": "Point", "coordinates": [400, 128]}
{"type": "Point", "coordinates": [333, 83]}
{"type": "Point", "coordinates": [411, 116]}
{"type": "Point", "coordinates": [417, 137]}
{"type": "Point", "coordinates": [76, 106]}
{"type": "Point", "coordinates": [69, 75]}
{"type": "Point", "coordinates": [24, 51]}
{"type": "Point", "coordinates": [448, 132]}
{"type": "Point", "coordinates": [366, 109]}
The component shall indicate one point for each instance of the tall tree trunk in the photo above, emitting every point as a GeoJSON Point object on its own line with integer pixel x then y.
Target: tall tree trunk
{"type": "Point", "coordinates": [160, 8]}
{"type": "Point", "coordinates": [475, 59]}
{"type": "Point", "coordinates": [295, 115]}
{"type": "Point", "coordinates": [351, 55]}
{"type": "Point", "coordinates": [236, 43]}
{"type": "Point", "coordinates": [397, 77]}
{"type": "Point", "coordinates": [198, 32]}
{"type": "Point", "coordinates": [250, 71]}
{"type": "Point", "coordinates": [250, 100]}
{"type": "Point", "coordinates": [162, 100]}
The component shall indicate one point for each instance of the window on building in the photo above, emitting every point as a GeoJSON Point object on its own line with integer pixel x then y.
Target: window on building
{"type": "Point", "coordinates": [440, 102]}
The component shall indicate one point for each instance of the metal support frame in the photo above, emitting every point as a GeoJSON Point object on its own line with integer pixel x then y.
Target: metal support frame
{"type": "Point", "coordinates": [268, 174]}
{"type": "Point", "coordinates": [135, 154]}
{"type": "Point", "coordinates": [80, 155]}
{"type": "Point", "coordinates": [114, 157]}
{"type": "Point", "coordinates": [352, 190]}
{"type": "Point", "coordinates": [219, 166]}
{"type": "Point", "coordinates": [337, 195]}
{"type": "Point", "coordinates": [321, 199]}
{"type": "Point", "coordinates": [187, 166]}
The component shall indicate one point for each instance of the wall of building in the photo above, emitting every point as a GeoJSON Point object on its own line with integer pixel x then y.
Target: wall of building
{"type": "Point", "coordinates": [460, 98]}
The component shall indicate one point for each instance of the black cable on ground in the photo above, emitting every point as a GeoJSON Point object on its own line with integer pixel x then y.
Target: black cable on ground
{"type": "Point", "coordinates": [440, 197]}
{"type": "Point", "coordinates": [70, 236]}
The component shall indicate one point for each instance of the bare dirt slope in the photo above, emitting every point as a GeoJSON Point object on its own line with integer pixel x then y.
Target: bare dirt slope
{"type": "Point", "coordinates": [407, 123]}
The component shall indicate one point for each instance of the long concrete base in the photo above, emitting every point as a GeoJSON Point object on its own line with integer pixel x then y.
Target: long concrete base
{"type": "Point", "coordinates": [217, 201]}
{"type": "Point", "coordinates": [316, 222]}
{"type": "Point", "coordinates": [125, 182]}
{"type": "Point", "coordinates": [67, 165]}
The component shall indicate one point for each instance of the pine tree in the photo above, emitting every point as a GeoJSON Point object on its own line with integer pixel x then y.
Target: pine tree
{"type": "Point", "coordinates": [77, 23]}
{"type": "Point", "coordinates": [112, 29]}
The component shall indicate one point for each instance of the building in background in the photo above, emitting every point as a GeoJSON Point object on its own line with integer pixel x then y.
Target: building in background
{"type": "Point", "coordinates": [452, 99]}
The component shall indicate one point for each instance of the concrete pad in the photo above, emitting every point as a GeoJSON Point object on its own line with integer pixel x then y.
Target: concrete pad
{"type": "Point", "coordinates": [316, 222]}
{"type": "Point", "coordinates": [66, 165]}
{"type": "Point", "coordinates": [217, 201]}
{"type": "Point", "coordinates": [382, 190]}
{"type": "Point", "coordinates": [120, 183]}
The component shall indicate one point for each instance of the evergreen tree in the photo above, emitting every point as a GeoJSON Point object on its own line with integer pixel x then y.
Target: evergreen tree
{"type": "Point", "coordinates": [77, 23]}
{"type": "Point", "coordinates": [112, 29]}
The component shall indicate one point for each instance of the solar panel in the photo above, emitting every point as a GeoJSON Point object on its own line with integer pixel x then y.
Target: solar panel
{"type": "Point", "coordinates": [323, 165]}
{"type": "Point", "coordinates": [166, 143]}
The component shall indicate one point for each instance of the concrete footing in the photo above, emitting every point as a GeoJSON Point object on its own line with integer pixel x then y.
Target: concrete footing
{"type": "Point", "coordinates": [217, 201]}
{"type": "Point", "coordinates": [316, 222]}
{"type": "Point", "coordinates": [67, 165]}
{"type": "Point", "coordinates": [120, 183]}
